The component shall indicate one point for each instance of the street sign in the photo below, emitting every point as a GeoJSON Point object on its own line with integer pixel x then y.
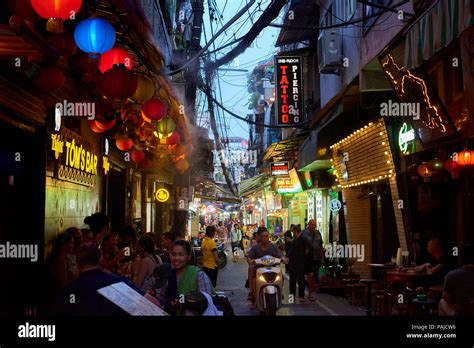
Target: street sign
{"type": "Point", "coordinates": [289, 90]}
{"type": "Point", "coordinates": [162, 195]}
{"type": "Point", "coordinates": [279, 168]}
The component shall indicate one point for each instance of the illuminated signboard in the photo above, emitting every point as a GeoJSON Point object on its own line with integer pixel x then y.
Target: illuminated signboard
{"type": "Point", "coordinates": [279, 168]}
{"type": "Point", "coordinates": [319, 210]}
{"type": "Point", "coordinates": [308, 179]}
{"type": "Point", "coordinates": [406, 137]}
{"type": "Point", "coordinates": [289, 185]}
{"type": "Point", "coordinates": [76, 159]}
{"type": "Point", "coordinates": [289, 90]}
{"type": "Point", "coordinates": [162, 195]}
{"type": "Point", "coordinates": [310, 206]}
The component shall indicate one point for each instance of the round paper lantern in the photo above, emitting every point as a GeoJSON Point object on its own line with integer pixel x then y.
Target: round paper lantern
{"type": "Point", "coordinates": [453, 168]}
{"type": "Point", "coordinates": [435, 165]}
{"type": "Point", "coordinates": [94, 128]}
{"type": "Point", "coordinates": [146, 119]}
{"type": "Point", "coordinates": [94, 36]}
{"type": "Point", "coordinates": [124, 143]}
{"type": "Point", "coordinates": [63, 43]}
{"type": "Point", "coordinates": [105, 125]}
{"type": "Point", "coordinates": [137, 156]}
{"type": "Point", "coordinates": [50, 79]}
{"type": "Point", "coordinates": [145, 90]}
{"type": "Point", "coordinates": [173, 139]}
{"type": "Point", "coordinates": [118, 83]}
{"type": "Point", "coordinates": [412, 171]}
{"type": "Point", "coordinates": [424, 172]}
{"type": "Point", "coordinates": [466, 158]}
{"type": "Point", "coordinates": [113, 57]}
{"type": "Point", "coordinates": [165, 127]}
{"type": "Point", "coordinates": [155, 109]}
{"type": "Point", "coordinates": [56, 11]}
{"type": "Point", "coordinates": [182, 165]}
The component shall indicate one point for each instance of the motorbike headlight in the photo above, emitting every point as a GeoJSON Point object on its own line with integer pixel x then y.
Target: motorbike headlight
{"type": "Point", "coordinates": [277, 278]}
{"type": "Point", "coordinates": [261, 278]}
{"type": "Point", "coordinates": [270, 277]}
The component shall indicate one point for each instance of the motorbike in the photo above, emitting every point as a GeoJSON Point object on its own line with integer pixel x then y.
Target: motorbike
{"type": "Point", "coordinates": [269, 285]}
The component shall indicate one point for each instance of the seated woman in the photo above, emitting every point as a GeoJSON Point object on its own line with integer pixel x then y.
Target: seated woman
{"type": "Point", "coordinates": [147, 262]}
{"type": "Point", "coordinates": [184, 279]}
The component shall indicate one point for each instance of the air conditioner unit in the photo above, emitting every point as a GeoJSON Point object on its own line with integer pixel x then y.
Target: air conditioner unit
{"type": "Point", "coordinates": [330, 51]}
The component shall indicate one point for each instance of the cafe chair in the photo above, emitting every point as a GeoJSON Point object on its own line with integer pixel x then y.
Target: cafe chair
{"type": "Point", "coordinates": [369, 282]}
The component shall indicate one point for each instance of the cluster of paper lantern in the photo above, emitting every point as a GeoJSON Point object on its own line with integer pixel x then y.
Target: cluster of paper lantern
{"type": "Point", "coordinates": [453, 165]}
{"type": "Point", "coordinates": [96, 37]}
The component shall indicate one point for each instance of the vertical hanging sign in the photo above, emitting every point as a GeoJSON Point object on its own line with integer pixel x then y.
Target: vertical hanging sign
{"type": "Point", "coordinates": [289, 90]}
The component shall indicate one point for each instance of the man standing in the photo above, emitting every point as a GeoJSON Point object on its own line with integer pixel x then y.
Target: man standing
{"type": "Point", "coordinates": [288, 239]}
{"type": "Point", "coordinates": [314, 256]}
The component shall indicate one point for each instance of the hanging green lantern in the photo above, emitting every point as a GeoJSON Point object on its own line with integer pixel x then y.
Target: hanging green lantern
{"type": "Point", "coordinates": [165, 127]}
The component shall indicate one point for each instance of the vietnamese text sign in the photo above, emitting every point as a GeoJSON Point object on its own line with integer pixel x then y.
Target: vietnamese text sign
{"type": "Point", "coordinates": [289, 90]}
{"type": "Point", "coordinates": [279, 168]}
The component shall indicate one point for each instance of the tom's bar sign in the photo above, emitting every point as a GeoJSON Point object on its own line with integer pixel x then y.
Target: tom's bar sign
{"type": "Point", "coordinates": [289, 90]}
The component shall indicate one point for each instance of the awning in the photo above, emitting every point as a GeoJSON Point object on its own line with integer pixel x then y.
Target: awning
{"type": "Point", "coordinates": [440, 25]}
{"type": "Point", "coordinates": [282, 150]}
{"type": "Point", "coordinates": [307, 14]}
{"type": "Point", "coordinates": [249, 186]}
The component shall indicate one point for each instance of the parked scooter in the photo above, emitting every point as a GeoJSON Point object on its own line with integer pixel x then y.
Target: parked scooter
{"type": "Point", "coordinates": [269, 285]}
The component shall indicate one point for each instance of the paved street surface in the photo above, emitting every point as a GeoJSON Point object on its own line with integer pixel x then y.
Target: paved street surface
{"type": "Point", "coordinates": [231, 280]}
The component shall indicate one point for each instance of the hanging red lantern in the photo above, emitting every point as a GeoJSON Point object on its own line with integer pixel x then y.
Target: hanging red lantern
{"type": "Point", "coordinates": [56, 11]}
{"type": "Point", "coordinates": [124, 143]}
{"type": "Point", "coordinates": [453, 168]}
{"type": "Point", "coordinates": [137, 156]}
{"type": "Point", "coordinates": [154, 109]}
{"type": "Point", "coordinates": [113, 57]}
{"type": "Point", "coordinates": [465, 158]}
{"type": "Point", "coordinates": [105, 125]}
{"type": "Point", "coordinates": [94, 128]}
{"type": "Point", "coordinates": [435, 165]}
{"type": "Point", "coordinates": [50, 79]}
{"type": "Point", "coordinates": [63, 43]}
{"type": "Point", "coordinates": [83, 64]}
{"type": "Point", "coordinates": [424, 172]}
{"type": "Point", "coordinates": [118, 83]}
{"type": "Point", "coordinates": [173, 139]}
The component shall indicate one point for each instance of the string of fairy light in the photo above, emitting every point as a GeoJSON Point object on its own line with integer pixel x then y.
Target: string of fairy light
{"type": "Point", "coordinates": [355, 136]}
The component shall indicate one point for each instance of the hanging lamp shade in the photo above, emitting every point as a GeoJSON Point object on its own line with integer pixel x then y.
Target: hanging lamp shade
{"type": "Point", "coordinates": [424, 172]}
{"type": "Point", "coordinates": [144, 91]}
{"type": "Point", "coordinates": [94, 36]}
{"type": "Point", "coordinates": [465, 158]}
{"type": "Point", "coordinates": [173, 139]}
{"type": "Point", "coordinates": [115, 56]}
{"type": "Point", "coordinates": [105, 125]}
{"type": "Point", "coordinates": [165, 127]}
{"type": "Point", "coordinates": [155, 109]}
{"type": "Point", "coordinates": [124, 143]}
{"type": "Point", "coordinates": [56, 12]}
{"type": "Point", "coordinates": [453, 168]}
{"type": "Point", "coordinates": [118, 83]}
{"type": "Point", "coordinates": [50, 79]}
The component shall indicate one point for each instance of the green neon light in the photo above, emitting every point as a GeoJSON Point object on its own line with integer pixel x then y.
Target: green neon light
{"type": "Point", "coordinates": [405, 135]}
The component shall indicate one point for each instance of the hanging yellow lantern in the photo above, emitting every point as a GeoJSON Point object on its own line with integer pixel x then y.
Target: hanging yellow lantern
{"type": "Point", "coordinates": [182, 165]}
{"type": "Point", "coordinates": [165, 127]}
{"type": "Point", "coordinates": [424, 172]}
{"type": "Point", "coordinates": [145, 90]}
